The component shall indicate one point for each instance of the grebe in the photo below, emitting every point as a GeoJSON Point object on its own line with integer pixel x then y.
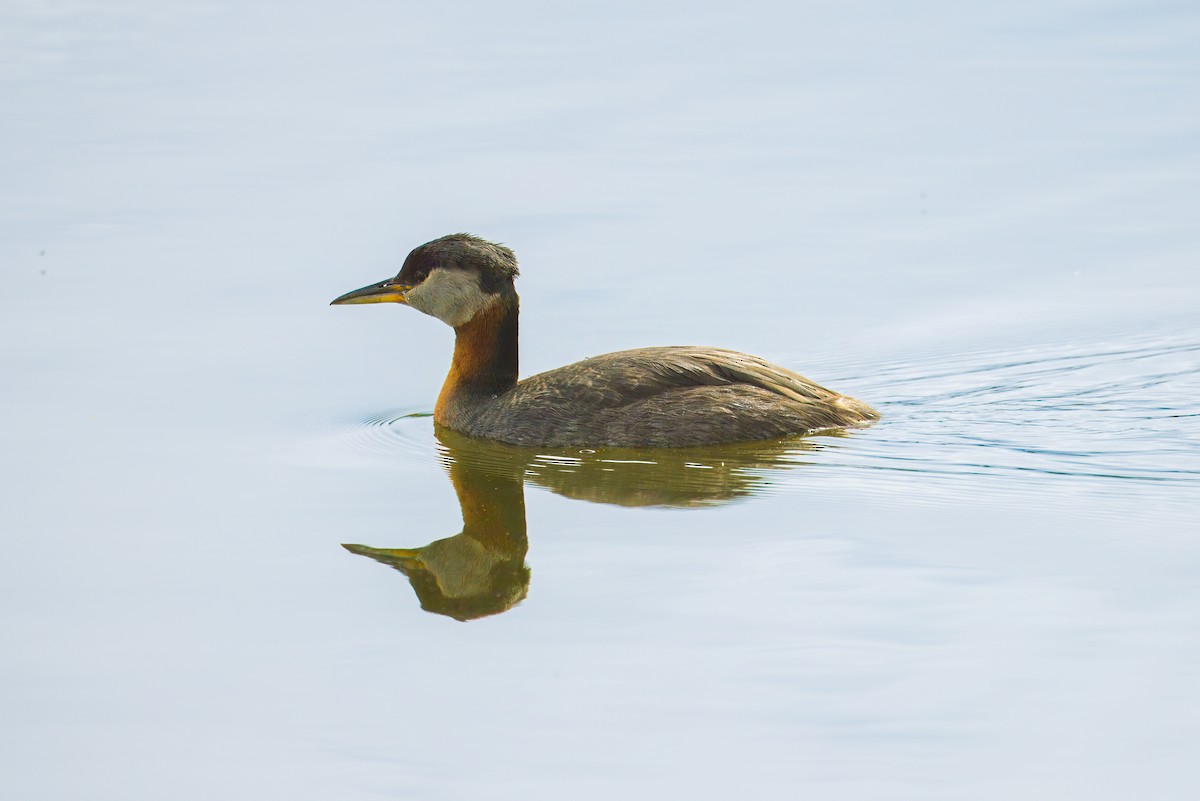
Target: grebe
{"type": "Point", "coordinates": [649, 397]}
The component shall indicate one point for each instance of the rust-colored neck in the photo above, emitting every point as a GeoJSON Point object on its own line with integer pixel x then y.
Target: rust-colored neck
{"type": "Point", "coordinates": [485, 358]}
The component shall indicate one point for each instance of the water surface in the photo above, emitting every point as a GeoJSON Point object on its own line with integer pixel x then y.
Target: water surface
{"type": "Point", "coordinates": [981, 221]}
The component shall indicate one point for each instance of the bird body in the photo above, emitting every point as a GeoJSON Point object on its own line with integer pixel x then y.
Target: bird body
{"type": "Point", "coordinates": [653, 397]}
{"type": "Point", "coordinates": [657, 397]}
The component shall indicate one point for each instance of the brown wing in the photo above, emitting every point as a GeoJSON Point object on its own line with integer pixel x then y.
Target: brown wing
{"type": "Point", "coordinates": [628, 376]}
{"type": "Point", "coordinates": [665, 396]}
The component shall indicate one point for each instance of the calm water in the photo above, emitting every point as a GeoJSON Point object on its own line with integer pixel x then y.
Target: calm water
{"type": "Point", "coordinates": [982, 221]}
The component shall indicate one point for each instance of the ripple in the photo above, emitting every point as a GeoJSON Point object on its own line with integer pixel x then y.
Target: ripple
{"type": "Point", "coordinates": [1025, 422]}
{"type": "Point", "coordinates": [1101, 417]}
{"type": "Point", "coordinates": [394, 438]}
{"type": "Point", "coordinates": [404, 439]}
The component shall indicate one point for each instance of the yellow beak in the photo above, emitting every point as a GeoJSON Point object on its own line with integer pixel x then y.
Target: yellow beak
{"type": "Point", "coordinates": [384, 292]}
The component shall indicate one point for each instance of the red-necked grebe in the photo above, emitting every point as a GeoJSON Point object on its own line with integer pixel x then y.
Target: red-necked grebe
{"type": "Point", "coordinates": [654, 397]}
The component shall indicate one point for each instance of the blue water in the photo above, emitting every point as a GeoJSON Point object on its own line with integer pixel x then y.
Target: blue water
{"type": "Point", "coordinates": [981, 221]}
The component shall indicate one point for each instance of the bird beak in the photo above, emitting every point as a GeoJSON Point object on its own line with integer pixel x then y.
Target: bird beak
{"type": "Point", "coordinates": [384, 292]}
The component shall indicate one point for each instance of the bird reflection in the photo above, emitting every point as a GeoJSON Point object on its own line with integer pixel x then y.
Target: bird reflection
{"type": "Point", "coordinates": [481, 571]}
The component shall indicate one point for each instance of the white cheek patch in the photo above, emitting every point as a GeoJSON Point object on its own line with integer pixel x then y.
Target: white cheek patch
{"type": "Point", "coordinates": [452, 296]}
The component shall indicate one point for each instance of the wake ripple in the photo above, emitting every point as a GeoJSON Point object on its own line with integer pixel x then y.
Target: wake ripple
{"type": "Point", "coordinates": [1097, 416]}
{"type": "Point", "coordinates": [1104, 415]}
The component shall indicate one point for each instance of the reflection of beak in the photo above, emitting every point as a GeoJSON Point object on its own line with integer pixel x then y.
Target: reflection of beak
{"type": "Point", "coordinates": [403, 559]}
{"type": "Point", "coordinates": [384, 292]}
